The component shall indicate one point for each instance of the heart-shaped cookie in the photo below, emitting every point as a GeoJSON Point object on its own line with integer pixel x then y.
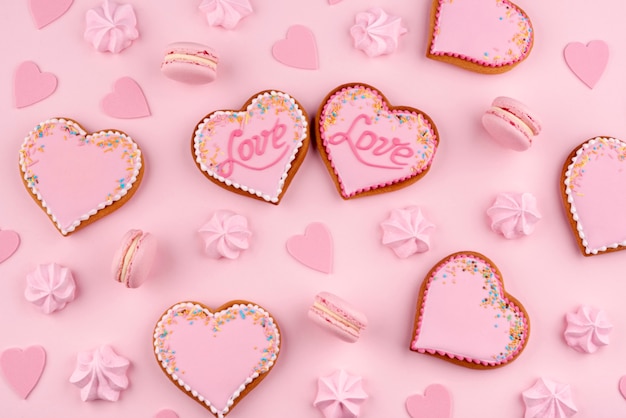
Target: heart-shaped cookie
{"type": "Point", "coordinates": [593, 186]}
{"type": "Point", "coordinates": [465, 316]}
{"type": "Point", "coordinates": [254, 151]}
{"type": "Point", "coordinates": [490, 36]}
{"type": "Point", "coordinates": [77, 177]}
{"type": "Point", "coordinates": [216, 356]}
{"type": "Point", "coordinates": [368, 145]}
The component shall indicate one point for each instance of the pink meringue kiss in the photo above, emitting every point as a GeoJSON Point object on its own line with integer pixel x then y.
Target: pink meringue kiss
{"type": "Point", "coordinates": [587, 329]}
{"type": "Point", "coordinates": [111, 27]}
{"type": "Point", "coordinates": [225, 235]}
{"type": "Point", "coordinates": [340, 395]}
{"type": "Point", "coordinates": [514, 215]}
{"type": "Point", "coordinates": [407, 232]}
{"type": "Point", "coordinates": [376, 33]}
{"type": "Point", "coordinates": [225, 13]}
{"type": "Point", "coordinates": [50, 286]}
{"type": "Point", "coordinates": [549, 399]}
{"type": "Point", "coordinates": [100, 374]}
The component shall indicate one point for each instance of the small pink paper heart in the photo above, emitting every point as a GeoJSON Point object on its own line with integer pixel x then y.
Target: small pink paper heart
{"type": "Point", "coordinates": [127, 100]}
{"type": "Point", "coordinates": [622, 386]}
{"type": "Point", "coordinates": [435, 403]}
{"type": "Point", "coordinates": [587, 62]}
{"type": "Point", "coordinates": [9, 241]}
{"type": "Point", "coordinates": [166, 413]}
{"type": "Point", "coordinates": [23, 368]}
{"type": "Point", "coordinates": [30, 85]}
{"type": "Point", "coordinates": [298, 49]}
{"type": "Point", "coordinates": [314, 249]}
{"type": "Point", "coordinates": [45, 12]}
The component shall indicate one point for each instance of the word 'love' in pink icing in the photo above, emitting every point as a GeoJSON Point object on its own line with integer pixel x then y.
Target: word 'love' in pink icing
{"type": "Point", "coordinates": [256, 150]}
{"type": "Point", "coordinates": [371, 146]}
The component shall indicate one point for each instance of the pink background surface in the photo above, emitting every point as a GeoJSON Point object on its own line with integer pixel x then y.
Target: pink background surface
{"type": "Point", "coordinates": [545, 271]}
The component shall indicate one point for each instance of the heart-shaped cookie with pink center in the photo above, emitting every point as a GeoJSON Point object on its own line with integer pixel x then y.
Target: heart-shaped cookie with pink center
{"type": "Point", "coordinates": [593, 186]}
{"type": "Point", "coordinates": [465, 316]}
{"type": "Point", "coordinates": [370, 146]}
{"type": "Point", "coordinates": [77, 177]}
{"type": "Point", "coordinates": [254, 151]}
{"type": "Point", "coordinates": [216, 356]}
{"type": "Point", "coordinates": [490, 36]}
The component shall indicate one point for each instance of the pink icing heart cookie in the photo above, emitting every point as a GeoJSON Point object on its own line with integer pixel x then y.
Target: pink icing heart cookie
{"type": "Point", "coordinates": [592, 186]}
{"type": "Point", "coordinates": [490, 36]}
{"type": "Point", "coordinates": [256, 150]}
{"type": "Point", "coordinates": [370, 146]}
{"type": "Point", "coordinates": [465, 316]}
{"type": "Point", "coordinates": [216, 356]}
{"type": "Point", "coordinates": [77, 178]}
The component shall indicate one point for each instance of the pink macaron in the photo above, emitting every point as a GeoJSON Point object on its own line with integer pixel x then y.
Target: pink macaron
{"type": "Point", "coordinates": [134, 258]}
{"type": "Point", "coordinates": [337, 316]}
{"type": "Point", "coordinates": [190, 63]}
{"type": "Point", "coordinates": [511, 123]}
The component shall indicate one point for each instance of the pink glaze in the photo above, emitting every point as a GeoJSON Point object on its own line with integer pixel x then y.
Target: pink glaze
{"type": "Point", "coordinates": [213, 356]}
{"type": "Point", "coordinates": [9, 243]}
{"type": "Point", "coordinates": [587, 62]}
{"type": "Point", "coordinates": [314, 249]}
{"type": "Point", "coordinates": [225, 13]}
{"type": "Point", "coordinates": [225, 235]}
{"type": "Point", "coordinates": [465, 314]}
{"type": "Point", "coordinates": [30, 85]}
{"type": "Point", "coordinates": [407, 231]}
{"type": "Point", "coordinates": [45, 12]}
{"type": "Point", "coordinates": [100, 374]}
{"type": "Point", "coordinates": [370, 146]}
{"type": "Point", "coordinates": [587, 329]}
{"type": "Point", "coordinates": [594, 184]}
{"type": "Point", "coordinates": [549, 399]}
{"type": "Point", "coordinates": [298, 49]}
{"type": "Point", "coordinates": [252, 149]}
{"type": "Point", "coordinates": [23, 368]}
{"type": "Point", "coordinates": [126, 101]}
{"type": "Point", "coordinates": [491, 33]}
{"type": "Point", "coordinates": [435, 403]}
{"type": "Point", "coordinates": [376, 33]}
{"type": "Point", "coordinates": [514, 215]}
{"type": "Point", "coordinates": [50, 286]}
{"type": "Point", "coordinates": [340, 395]}
{"type": "Point", "coordinates": [111, 27]}
{"type": "Point", "coordinates": [78, 174]}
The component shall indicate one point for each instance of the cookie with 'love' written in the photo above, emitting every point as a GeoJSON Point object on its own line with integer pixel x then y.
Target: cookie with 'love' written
{"type": "Point", "coordinates": [370, 146]}
{"type": "Point", "coordinates": [256, 150]}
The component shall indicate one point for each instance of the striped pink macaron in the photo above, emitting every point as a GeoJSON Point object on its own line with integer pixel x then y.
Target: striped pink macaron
{"type": "Point", "coordinates": [134, 258]}
{"type": "Point", "coordinates": [511, 123]}
{"type": "Point", "coordinates": [338, 316]}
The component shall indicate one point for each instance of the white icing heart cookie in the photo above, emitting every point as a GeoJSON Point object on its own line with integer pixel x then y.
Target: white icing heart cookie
{"type": "Point", "coordinates": [77, 177]}
{"type": "Point", "coordinates": [254, 151]}
{"type": "Point", "coordinates": [593, 186]}
{"type": "Point", "coordinates": [216, 356]}
{"type": "Point", "coordinates": [370, 146]}
{"type": "Point", "coordinates": [465, 316]}
{"type": "Point", "coordinates": [486, 36]}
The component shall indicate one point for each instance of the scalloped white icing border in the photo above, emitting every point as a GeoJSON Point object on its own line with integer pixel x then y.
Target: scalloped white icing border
{"type": "Point", "coordinates": [33, 189]}
{"type": "Point", "coordinates": [188, 389]}
{"type": "Point", "coordinates": [243, 187]}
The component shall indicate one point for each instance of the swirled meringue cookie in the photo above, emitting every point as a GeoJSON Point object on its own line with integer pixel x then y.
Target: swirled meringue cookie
{"type": "Point", "coordinates": [225, 235]}
{"type": "Point", "coordinates": [225, 13]}
{"type": "Point", "coordinates": [100, 374]}
{"type": "Point", "coordinates": [514, 215]}
{"type": "Point", "coordinates": [407, 232]}
{"type": "Point", "coordinates": [340, 395]}
{"type": "Point", "coordinates": [376, 33]}
{"type": "Point", "coordinates": [50, 286]}
{"type": "Point", "coordinates": [111, 26]}
{"type": "Point", "coordinates": [549, 399]}
{"type": "Point", "coordinates": [587, 329]}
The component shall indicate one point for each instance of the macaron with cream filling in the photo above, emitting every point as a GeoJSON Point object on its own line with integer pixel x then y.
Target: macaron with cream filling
{"type": "Point", "coordinates": [511, 123]}
{"type": "Point", "coordinates": [190, 62]}
{"type": "Point", "coordinates": [134, 258]}
{"type": "Point", "coordinates": [338, 316]}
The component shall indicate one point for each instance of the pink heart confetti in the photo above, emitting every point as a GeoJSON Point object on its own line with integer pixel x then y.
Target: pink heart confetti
{"type": "Point", "coordinates": [166, 413]}
{"type": "Point", "coordinates": [9, 242]}
{"type": "Point", "coordinates": [587, 62]}
{"type": "Point", "coordinates": [45, 12]}
{"type": "Point", "coordinates": [30, 85]}
{"type": "Point", "coordinates": [435, 403]}
{"type": "Point", "coordinates": [127, 100]}
{"type": "Point", "coordinates": [23, 368]}
{"type": "Point", "coordinates": [314, 249]}
{"type": "Point", "coordinates": [298, 49]}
